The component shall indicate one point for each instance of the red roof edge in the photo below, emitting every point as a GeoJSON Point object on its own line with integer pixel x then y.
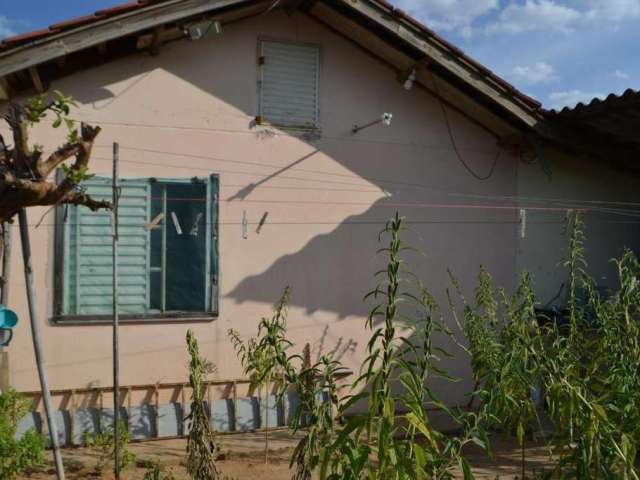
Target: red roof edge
{"type": "Point", "coordinates": [25, 37]}
{"type": "Point", "coordinates": [531, 102]}
{"type": "Point", "coordinates": [16, 40]}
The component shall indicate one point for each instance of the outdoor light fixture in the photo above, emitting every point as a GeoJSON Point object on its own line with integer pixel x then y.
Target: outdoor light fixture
{"type": "Point", "coordinates": [8, 321]}
{"type": "Point", "coordinates": [200, 30]}
{"type": "Point", "coordinates": [385, 120]}
{"type": "Point", "coordinates": [408, 83]}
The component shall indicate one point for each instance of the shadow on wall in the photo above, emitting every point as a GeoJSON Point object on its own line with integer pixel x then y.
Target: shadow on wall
{"type": "Point", "coordinates": [334, 269]}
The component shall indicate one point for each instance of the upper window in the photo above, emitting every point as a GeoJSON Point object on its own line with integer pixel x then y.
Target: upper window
{"type": "Point", "coordinates": [167, 251]}
{"type": "Point", "coordinates": [289, 83]}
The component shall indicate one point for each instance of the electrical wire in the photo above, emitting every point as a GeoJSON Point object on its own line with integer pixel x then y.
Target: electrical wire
{"type": "Point", "coordinates": [574, 203]}
{"type": "Point", "coordinates": [454, 144]}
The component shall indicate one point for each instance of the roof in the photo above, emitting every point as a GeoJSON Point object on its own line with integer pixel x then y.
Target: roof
{"type": "Point", "coordinates": [508, 86]}
{"type": "Point", "coordinates": [617, 118]}
{"type": "Point", "coordinates": [25, 38]}
{"type": "Point", "coordinates": [396, 28]}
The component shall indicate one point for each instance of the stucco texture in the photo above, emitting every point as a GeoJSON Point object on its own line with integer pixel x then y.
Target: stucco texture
{"type": "Point", "coordinates": [190, 111]}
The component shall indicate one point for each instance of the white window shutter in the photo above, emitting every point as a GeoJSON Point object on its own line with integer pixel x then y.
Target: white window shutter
{"type": "Point", "coordinates": [289, 83]}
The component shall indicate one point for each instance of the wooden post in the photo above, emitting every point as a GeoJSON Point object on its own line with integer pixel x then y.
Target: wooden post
{"type": "Point", "coordinates": [183, 400]}
{"type": "Point", "coordinates": [129, 397]}
{"type": "Point", "coordinates": [72, 414]}
{"type": "Point", "coordinates": [156, 416]}
{"type": "Point", "coordinates": [37, 342]}
{"type": "Point", "coordinates": [116, 365]}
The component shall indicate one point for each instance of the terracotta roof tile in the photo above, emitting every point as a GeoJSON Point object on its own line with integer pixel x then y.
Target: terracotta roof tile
{"type": "Point", "coordinates": [26, 37]}
{"type": "Point", "coordinates": [17, 40]}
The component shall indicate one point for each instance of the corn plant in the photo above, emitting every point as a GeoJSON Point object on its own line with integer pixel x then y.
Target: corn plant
{"type": "Point", "coordinates": [395, 438]}
{"type": "Point", "coordinates": [504, 342]}
{"type": "Point", "coordinates": [258, 358]}
{"type": "Point", "coordinates": [201, 444]}
{"type": "Point", "coordinates": [592, 375]}
{"type": "Point", "coordinates": [310, 382]}
{"type": "Point", "coordinates": [588, 374]}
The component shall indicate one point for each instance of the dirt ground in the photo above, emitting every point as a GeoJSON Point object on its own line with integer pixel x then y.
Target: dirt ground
{"type": "Point", "coordinates": [243, 459]}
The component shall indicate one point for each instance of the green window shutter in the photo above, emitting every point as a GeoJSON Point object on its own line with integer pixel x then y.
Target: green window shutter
{"type": "Point", "coordinates": [212, 269]}
{"type": "Point", "coordinates": [88, 252]}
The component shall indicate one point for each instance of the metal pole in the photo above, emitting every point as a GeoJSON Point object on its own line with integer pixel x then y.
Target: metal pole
{"type": "Point", "coordinates": [6, 262]}
{"type": "Point", "coordinates": [116, 365]}
{"type": "Point", "coordinates": [35, 332]}
{"type": "Point", "coordinates": [4, 288]}
{"type": "Point", "coordinates": [6, 274]}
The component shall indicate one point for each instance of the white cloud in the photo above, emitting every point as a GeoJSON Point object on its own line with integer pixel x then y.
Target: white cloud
{"type": "Point", "coordinates": [535, 15]}
{"type": "Point", "coordinates": [571, 98]}
{"type": "Point", "coordinates": [620, 75]}
{"type": "Point", "coordinates": [5, 27]}
{"type": "Point", "coordinates": [448, 14]}
{"type": "Point", "coordinates": [612, 10]}
{"type": "Point", "coordinates": [539, 72]}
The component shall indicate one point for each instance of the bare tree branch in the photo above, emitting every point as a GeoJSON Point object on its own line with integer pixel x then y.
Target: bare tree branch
{"type": "Point", "coordinates": [81, 149]}
{"type": "Point", "coordinates": [75, 198]}
{"type": "Point", "coordinates": [23, 171]}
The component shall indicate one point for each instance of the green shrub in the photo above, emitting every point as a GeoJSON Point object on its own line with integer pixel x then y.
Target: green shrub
{"type": "Point", "coordinates": [103, 443]}
{"type": "Point", "coordinates": [16, 456]}
{"type": "Point", "coordinates": [157, 472]}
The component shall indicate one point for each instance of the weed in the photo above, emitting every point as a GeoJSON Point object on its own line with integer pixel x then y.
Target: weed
{"type": "Point", "coordinates": [104, 445]}
{"type": "Point", "coordinates": [16, 456]}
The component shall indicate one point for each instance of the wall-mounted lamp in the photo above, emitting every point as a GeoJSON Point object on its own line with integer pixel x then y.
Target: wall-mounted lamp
{"type": "Point", "coordinates": [385, 120]}
{"type": "Point", "coordinates": [8, 321]}
{"type": "Point", "coordinates": [202, 29]}
{"type": "Point", "coordinates": [408, 83]}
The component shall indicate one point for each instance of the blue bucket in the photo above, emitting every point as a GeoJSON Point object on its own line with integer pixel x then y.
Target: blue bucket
{"type": "Point", "coordinates": [8, 318]}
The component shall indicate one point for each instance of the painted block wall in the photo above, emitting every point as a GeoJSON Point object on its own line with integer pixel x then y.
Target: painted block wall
{"type": "Point", "coordinates": [190, 111]}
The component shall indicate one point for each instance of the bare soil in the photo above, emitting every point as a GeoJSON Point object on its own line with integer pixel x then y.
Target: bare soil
{"type": "Point", "coordinates": [242, 458]}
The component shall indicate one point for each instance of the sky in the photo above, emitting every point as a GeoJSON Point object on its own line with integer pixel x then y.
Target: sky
{"type": "Point", "coordinates": [560, 52]}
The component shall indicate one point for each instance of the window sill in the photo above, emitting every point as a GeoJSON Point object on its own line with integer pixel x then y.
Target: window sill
{"type": "Point", "coordinates": [153, 319]}
{"type": "Point", "coordinates": [290, 128]}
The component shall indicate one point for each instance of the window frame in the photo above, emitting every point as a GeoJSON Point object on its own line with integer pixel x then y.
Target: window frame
{"type": "Point", "coordinates": [261, 119]}
{"type": "Point", "coordinates": [60, 318]}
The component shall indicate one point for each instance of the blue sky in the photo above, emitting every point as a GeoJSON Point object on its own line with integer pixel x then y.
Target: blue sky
{"type": "Point", "coordinates": [558, 51]}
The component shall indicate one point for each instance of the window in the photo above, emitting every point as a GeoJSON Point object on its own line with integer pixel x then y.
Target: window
{"type": "Point", "coordinates": [167, 251]}
{"type": "Point", "coordinates": [289, 83]}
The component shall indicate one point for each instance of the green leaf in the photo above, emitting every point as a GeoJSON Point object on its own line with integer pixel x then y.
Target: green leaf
{"type": "Point", "coordinates": [466, 470]}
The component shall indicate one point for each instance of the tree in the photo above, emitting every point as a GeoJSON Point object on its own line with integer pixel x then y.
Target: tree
{"type": "Point", "coordinates": [24, 170]}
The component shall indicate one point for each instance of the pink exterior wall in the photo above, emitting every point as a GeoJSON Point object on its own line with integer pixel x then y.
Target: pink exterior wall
{"type": "Point", "coordinates": [189, 111]}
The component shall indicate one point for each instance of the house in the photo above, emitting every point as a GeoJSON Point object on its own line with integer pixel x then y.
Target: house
{"type": "Point", "coordinates": [243, 173]}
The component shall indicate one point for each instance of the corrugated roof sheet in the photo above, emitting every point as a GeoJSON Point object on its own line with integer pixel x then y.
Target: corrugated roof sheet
{"type": "Point", "coordinates": [25, 38]}
{"type": "Point", "coordinates": [617, 117]}
{"type": "Point", "coordinates": [629, 98]}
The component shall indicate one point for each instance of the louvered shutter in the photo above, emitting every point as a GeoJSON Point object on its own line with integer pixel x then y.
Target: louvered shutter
{"type": "Point", "coordinates": [88, 252]}
{"type": "Point", "coordinates": [289, 83]}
